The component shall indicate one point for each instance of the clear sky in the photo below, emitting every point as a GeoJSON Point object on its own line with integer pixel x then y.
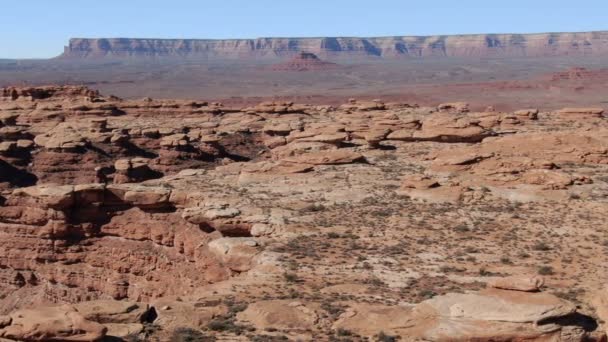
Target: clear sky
{"type": "Point", "coordinates": [40, 28]}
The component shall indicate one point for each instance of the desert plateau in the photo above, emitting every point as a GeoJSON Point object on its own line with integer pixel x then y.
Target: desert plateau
{"type": "Point", "coordinates": [154, 219]}
{"type": "Point", "coordinates": [341, 189]}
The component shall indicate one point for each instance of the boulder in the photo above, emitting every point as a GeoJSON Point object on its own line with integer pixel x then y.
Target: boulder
{"type": "Point", "coordinates": [600, 303]}
{"type": "Point", "coordinates": [279, 314]}
{"type": "Point", "coordinates": [527, 114]}
{"type": "Point", "coordinates": [448, 128]}
{"type": "Point", "coordinates": [488, 315]}
{"type": "Point", "coordinates": [112, 311]}
{"type": "Point", "coordinates": [62, 138]}
{"type": "Point", "coordinates": [356, 105]}
{"type": "Point", "coordinates": [459, 107]}
{"type": "Point", "coordinates": [174, 314]}
{"type": "Point", "coordinates": [142, 196]}
{"type": "Point", "coordinates": [58, 323]}
{"type": "Point", "coordinates": [419, 182]}
{"type": "Point", "coordinates": [121, 330]}
{"type": "Point", "coordinates": [47, 196]}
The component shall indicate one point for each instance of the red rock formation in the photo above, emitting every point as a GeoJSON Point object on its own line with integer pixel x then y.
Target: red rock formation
{"type": "Point", "coordinates": [191, 201]}
{"type": "Point", "coordinates": [40, 93]}
{"type": "Point", "coordinates": [494, 45]}
{"type": "Point", "coordinates": [304, 61]}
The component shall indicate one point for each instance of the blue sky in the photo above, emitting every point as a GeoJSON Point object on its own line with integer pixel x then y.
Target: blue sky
{"type": "Point", "coordinates": [40, 28]}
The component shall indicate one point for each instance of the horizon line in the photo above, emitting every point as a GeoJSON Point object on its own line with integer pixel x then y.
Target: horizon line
{"type": "Point", "coordinates": [346, 36]}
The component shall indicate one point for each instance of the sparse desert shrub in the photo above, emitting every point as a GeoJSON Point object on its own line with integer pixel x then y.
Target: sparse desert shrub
{"type": "Point", "coordinates": [471, 250]}
{"type": "Point", "coordinates": [333, 235]}
{"type": "Point", "coordinates": [343, 332]}
{"type": "Point", "coordinates": [268, 338]}
{"type": "Point", "coordinates": [315, 207]}
{"type": "Point", "coordinates": [290, 277]}
{"type": "Point", "coordinates": [461, 228]}
{"type": "Point", "coordinates": [383, 337]}
{"type": "Point", "coordinates": [450, 269]}
{"type": "Point", "coordinates": [505, 260]}
{"type": "Point", "coordinates": [485, 273]}
{"type": "Point", "coordinates": [545, 270]}
{"type": "Point", "coordinates": [332, 309]}
{"type": "Point", "coordinates": [189, 335]}
{"type": "Point", "coordinates": [541, 246]}
{"type": "Point", "coordinates": [427, 294]}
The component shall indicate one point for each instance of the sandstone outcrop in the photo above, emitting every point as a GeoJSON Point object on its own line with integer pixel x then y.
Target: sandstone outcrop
{"type": "Point", "coordinates": [187, 219]}
{"type": "Point", "coordinates": [63, 323]}
{"type": "Point", "coordinates": [487, 315]}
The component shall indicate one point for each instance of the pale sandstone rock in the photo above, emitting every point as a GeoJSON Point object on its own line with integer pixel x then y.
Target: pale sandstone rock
{"type": "Point", "coordinates": [600, 303]}
{"type": "Point", "coordinates": [500, 305]}
{"type": "Point", "coordinates": [174, 314]}
{"type": "Point", "coordinates": [371, 319]}
{"type": "Point", "coordinates": [279, 314]}
{"type": "Point", "coordinates": [139, 195]}
{"type": "Point", "coordinates": [60, 323]}
{"type": "Point", "coordinates": [111, 311]}
{"type": "Point", "coordinates": [531, 114]}
{"type": "Point", "coordinates": [236, 253]}
{"type": "Point", "coordinates": [356, 105]}
{"type": "Point", "coordinates": [123, 330]}
{"type": "Point", "coordinates": [483, 316]}
{"type": "Point", "coordinates": [50, 196]}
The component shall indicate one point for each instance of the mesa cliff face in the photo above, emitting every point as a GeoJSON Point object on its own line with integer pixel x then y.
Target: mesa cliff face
{"type": "Point", "coordinates": [482, 45]}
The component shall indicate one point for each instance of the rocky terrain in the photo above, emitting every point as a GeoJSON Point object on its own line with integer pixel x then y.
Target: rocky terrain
{"type": "Point", "coordinates": [181, 220]}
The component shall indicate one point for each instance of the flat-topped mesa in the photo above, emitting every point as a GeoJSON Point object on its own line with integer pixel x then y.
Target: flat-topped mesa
{"type": "Point", "coordinates": [304, 61]}
{"type": "Point", "coordinates": [480, 45]}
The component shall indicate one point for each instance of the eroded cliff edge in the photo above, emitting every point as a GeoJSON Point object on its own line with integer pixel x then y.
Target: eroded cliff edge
{"type": "Point", "coordinates": [481, 45]}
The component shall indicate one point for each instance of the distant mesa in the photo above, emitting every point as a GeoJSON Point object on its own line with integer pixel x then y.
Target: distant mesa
{"type": "Point", "coordinates": [335, 48]}
{"type": "Point", "coordinates": [304, 61]}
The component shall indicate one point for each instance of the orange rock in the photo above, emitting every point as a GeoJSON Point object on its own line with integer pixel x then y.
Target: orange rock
{"type": "Point", "coordinates": [60, 323]}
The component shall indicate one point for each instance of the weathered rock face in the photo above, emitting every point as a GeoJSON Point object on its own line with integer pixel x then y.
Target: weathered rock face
{"type": "Point", "coordinates": [86, 321]}
{"type": "Point", "coordinates": [151, 239]}
{"type": "Point", "coordinates": [41, 93]}
{"type": "Point", "coordinates": [496, 45]}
